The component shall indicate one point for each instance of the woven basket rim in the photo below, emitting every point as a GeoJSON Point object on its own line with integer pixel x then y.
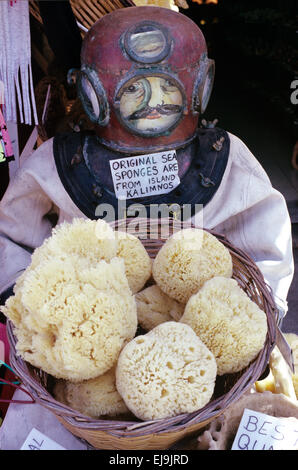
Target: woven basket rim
{"type": "Point", "coordinates": [211, 410]}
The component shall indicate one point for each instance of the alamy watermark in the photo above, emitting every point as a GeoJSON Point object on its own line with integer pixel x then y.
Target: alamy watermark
{"type": "Point", "coordinates": [152, 222]}
{"type": "Point", "coordinates": [294, 94]}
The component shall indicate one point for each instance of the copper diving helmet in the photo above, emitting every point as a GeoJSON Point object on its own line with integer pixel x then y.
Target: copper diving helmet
{"type": "Point", "coordinates": [145, 78]}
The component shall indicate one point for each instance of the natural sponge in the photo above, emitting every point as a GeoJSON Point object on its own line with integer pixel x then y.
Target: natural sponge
{"type": "Point", "coordinates": [188, 259]}
{"type": "Point", "coordinates": [165, 372]}
{"type": "Point", "coordinates": [155, 307]}
{"type": "Point", "coordinates": [231, 325]}
{"type": "Point", "coordinates": [95, 397]}
{"type": "Point", "coordinates": [90, 239]}
{"type": "Point", "coordinates": [138, 264]}
{"type": "Point", "coordinates": [72, 319]}
{"type": "Point", "coordinates": [94, 241]}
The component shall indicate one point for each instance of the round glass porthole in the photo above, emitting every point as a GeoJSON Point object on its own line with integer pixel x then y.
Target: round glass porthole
{"type": "Point", "coordinates": [203, 86]}
{"type": "Point", "coordinates": [150, 105]}
{"type": "Point", "coordinates": [93, 97]}
{"type": "Point", "coordinates": [147, 42]}
{"type": "Point", "coordinates": [207, 87]}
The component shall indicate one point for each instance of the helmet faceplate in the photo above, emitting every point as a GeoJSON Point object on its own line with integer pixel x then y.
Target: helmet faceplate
{"type": "Point", "coordinates": [145, 78]}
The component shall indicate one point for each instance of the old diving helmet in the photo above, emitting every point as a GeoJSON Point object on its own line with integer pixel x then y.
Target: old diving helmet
{"type": "Point", "coordinates": [145, 78]}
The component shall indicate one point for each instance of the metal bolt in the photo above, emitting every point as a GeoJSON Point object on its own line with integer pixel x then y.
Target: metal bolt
{"type": "Point", "coordinates": [205, 181]}
{"type": "Point", "coordinates": [218, 144]}
{"type": "Point", "coordinates": [97, 191]}
{"type": "Point", "coordinates": [77, 158]}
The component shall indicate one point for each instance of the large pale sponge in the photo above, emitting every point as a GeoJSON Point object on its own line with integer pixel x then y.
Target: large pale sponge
{"type": "Point", "coordinates": [95, 397]}
{"type": "Point", "coordinates": [138, 265]}
{"type": "Point", "coordinates": [188, 259]}
{"type": "Point", "coordinates": [72, 319]}
{"type": "Point", "coordinates": [155, 307]}
{"type": "Point", "coordinates": [231, 325]}
{"type": "Point", "coordinates": [165, 372]}
{"type": "Point", "coordinates": [90, 239]}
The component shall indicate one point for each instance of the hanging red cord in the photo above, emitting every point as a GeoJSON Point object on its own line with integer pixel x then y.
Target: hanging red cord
{"type": "Point", "coordinates": [19, 387]}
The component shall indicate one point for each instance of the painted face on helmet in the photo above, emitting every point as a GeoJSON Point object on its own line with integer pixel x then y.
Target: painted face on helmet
{"type": "Point", "coordinates": [151, 104]}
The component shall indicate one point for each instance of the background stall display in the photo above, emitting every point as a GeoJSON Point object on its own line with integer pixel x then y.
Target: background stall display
{"type": "Point", "coordinates": [262, 66]}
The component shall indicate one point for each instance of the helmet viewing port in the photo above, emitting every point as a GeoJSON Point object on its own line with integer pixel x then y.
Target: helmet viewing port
{"type": "Point", "coordinates": [203, 85]}
{"type": "Point", "coordinates": [150, 105]}
{"type": "Point", "coordinates": [147, 42]}
{"type": "Point", "coordinates": [93, 96]}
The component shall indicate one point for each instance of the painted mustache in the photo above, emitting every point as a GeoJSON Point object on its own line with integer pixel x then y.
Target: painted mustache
{"type": "Point", "coordinates": [163, 109]}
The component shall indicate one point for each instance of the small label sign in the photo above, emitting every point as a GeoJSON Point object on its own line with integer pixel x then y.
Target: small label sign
{"type": "Point", "coordinates": [258, 431]}
{"type": "Point", "coordinates": [145, 175]}
{"type": "Point", "coordinates": [2, 352]}
{"type": "Point", "coordinates": [36, 440]}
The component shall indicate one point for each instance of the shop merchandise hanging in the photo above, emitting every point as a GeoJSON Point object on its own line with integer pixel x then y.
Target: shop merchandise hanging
{"type": "Point", "coordinates": [15, 62]}
{"type": "Point", "coordinates": [6, 150]}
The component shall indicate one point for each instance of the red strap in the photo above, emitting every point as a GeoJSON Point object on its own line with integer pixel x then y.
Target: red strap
{"type": "Point", "coordinates": [7, 382]}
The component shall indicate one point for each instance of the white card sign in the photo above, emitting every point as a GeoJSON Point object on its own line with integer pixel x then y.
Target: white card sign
{"type": "Point", "coordinates": [36, 440]}
{"type": "Point", "coordinates": [259, 431]}
{"type": "Point", "coordinates": [145, 175]}
{"type": "Point", "coordinates": [2, 352]}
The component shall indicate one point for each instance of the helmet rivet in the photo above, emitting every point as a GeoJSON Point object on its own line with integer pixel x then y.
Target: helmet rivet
{"type": "Point", "coordinates": [97, 191]}
{"type": "Point", "coordinates": [77, 158]}
{"type": "Point", "coordinates": [218, 144]}
{"type": "Point", "coordinates": [205, 181]}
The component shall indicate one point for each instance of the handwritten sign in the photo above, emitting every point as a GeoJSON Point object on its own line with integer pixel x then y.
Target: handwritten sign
{"type": "Point", "coordinates": [145, 175]}
{"type": "Point", "coordinates": [259, 431]}
{"type": "Point", "coordinates": [36, 440]}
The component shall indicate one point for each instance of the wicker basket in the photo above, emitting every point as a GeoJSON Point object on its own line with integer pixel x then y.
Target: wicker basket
{"type": "Point", "coordinates": [159, 434]}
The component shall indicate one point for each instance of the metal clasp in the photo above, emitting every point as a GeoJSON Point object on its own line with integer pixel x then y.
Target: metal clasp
{"type": "Point", "coordinates": [97, 191]}
{"type": "Point", "coordinates": [218, 144]}
{"type": "Point", "coordinates": [77, 158]}
{"type": "Point", "coordinates": [205, 181]}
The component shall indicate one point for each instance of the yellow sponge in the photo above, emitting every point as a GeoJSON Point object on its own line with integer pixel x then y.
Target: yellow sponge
{"type": "Point", "coordinates": [188, 259]}
{"type": "Point", "coordinates": [155, 307]}
{"type": "Point", "coordinates": [231, 325]}
{"type": "Point", "coordinates": [165, 372]}
{"type": "Point", "coordinates": [95, 397]}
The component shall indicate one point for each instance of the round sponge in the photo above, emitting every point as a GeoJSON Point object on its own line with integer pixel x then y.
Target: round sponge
{"type": "Point", "coordinates": [188, 259]}
{"type": "Point", "coordinates": [138, 265]}
{"type": "Point", "coordinates": [231, 325]}
{"type": "Point", "coordinates": [155, 307]}
{"type": "Point", "coordinates": [72, 319]}
{"type": "Point", "coordinates": [165, 372]}
{"type": "Point", "coordinates": [95, 397]}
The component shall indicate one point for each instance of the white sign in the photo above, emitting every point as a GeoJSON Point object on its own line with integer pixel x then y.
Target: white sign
{"type": "Point", "coordinates": [2, 352]}
{"type": "Point", "coordinates": [36, 440]}
{"type": "Point", "coordinates": [145, 175]}
{"type": "Point", "coordinates": [259, 431]}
